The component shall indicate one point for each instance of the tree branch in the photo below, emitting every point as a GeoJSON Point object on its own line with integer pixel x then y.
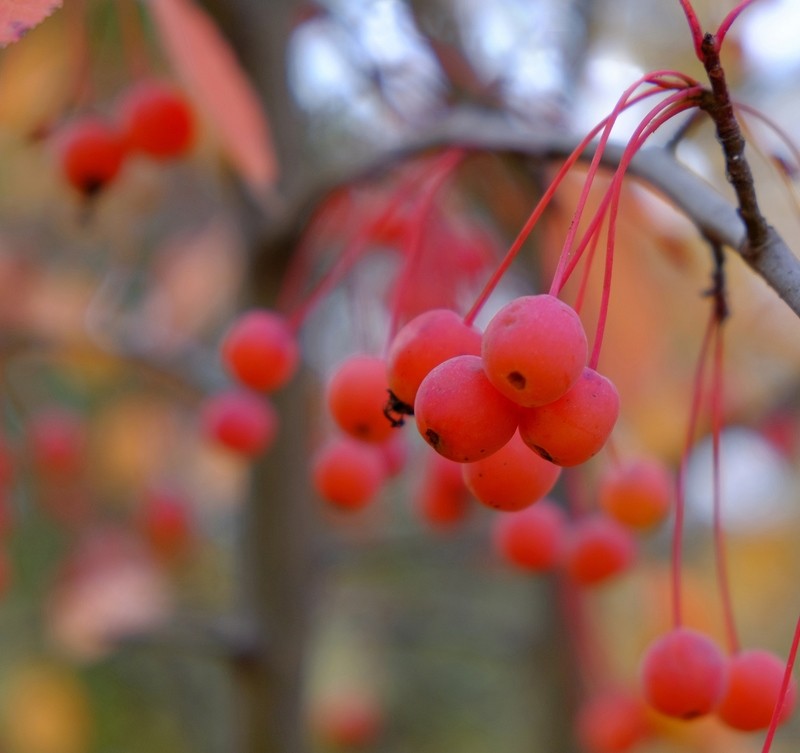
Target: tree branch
{"type": "Point", "coordinates": [715, 217]}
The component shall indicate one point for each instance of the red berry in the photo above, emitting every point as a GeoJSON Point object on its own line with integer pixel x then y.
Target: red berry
{"type": "Point", "coordinates": [612, 722]}
{"type": "Point", "coordinates": [637, 493]}
{"type": "Point", "coordinates": [598, 549]}
{"type": "Point", "coordinates": [349, 721]}
{"type": "Point", "coordinates": [348, 473]}
{"type": "Point", "coordinates": [754, 683]}
{"type": "Point", "coordinates": [260, 350]}
{"type": "Point", "coordinates": [165, 522]}
{"type": "Point", "coordinates": [442, 499]}
{"type": "Point", "coordinates": [57, 442]}
{"type": "Point", "coordinates": [241, 421]}
{"type": "Point", "coordinates": [156, 120]}
{"type": "Point", "coordinates": [534, 349]}
{"type": "Point", "coordinates": [90, 154]}
{"type": "Point", "coordinates": [684, 674]}
{"type": "Point", "coordinates": [425, 342]}
{"type": "Point", "coordinates": [531, 539]}
{"type": "Point", "coordinates": [511, 478]}
{"type": "Point", "coordinates": [460, 414]}
{"type": "Point", "coordinates": [575, 427]}
{"type": "Point", "coordinates": [357, 395]}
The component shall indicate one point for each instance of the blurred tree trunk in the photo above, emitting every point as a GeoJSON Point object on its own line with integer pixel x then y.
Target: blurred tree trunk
{"type": "Point", "coordinates": [276, 561]}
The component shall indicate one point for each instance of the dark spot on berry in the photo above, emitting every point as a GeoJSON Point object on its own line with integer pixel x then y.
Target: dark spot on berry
{"type": "Point", "coordinates": [432, 437]}
{"type": "Point", "coordinates": [691, 714]}
{"type": "Point", "coordinates": [517, 380]}
{"type": "Point", "coordinates": [542, 453]}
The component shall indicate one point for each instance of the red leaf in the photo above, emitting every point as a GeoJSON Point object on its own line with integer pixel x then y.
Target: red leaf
{"type": "Point", "coordinates": [19, 16]}
{"type": "Point", "coordinates": [209, 70]}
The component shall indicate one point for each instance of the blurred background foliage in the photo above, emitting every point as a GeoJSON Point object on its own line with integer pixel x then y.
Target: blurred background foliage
{"type": "Point", "coordinates": [417, 639]}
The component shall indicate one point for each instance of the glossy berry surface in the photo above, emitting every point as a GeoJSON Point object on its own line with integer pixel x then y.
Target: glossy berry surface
{"type": "Point", "coordinates": [598, 548]}
{"type": "Point", "coordinates": [356, 397]}
{"type": "Point", "coordinates": [347, 473]}
{"type": "Point", "coordinates": [157, 120]}
{"type": "Point", "coordinates": [684, 674]}
{"type": "Point", "coordinates": [534, 349]}
{"type": "Point", "coordinates": [531, 539]}
{"type": "Point", "coordinates": [260, 350]}
{"type": "Point", "coordinates": [512, 478]}
{"type": "Point", "coordinates": [460, 414]}
{"type": "Point", "coordinates": [242, 421]}
{"type": "Point", "coordinates": [574, 428]}
{"type": "Point", "coordinates": [90, 154]}
{"type": "Point", "coordinates": [636, 492]}
{"type": "Point", "coordinates": [754, 683]}
{"type": "Point", "coordinates": [423, 343]}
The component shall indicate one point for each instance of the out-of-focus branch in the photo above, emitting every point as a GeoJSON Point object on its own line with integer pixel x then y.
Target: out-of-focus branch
{"type": "Point", "coordinates": [715, 217]}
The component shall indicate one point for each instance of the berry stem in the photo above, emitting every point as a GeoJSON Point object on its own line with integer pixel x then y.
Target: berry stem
{"type": "Point", "coordinates": [717, 395]}
{"type": "Point", "coordinates": [442, 171]}
{"type": "Point", "coordinates": [694, 27]}
{"type": "Point", "coordinates": [728, 20]}
{"type": "Point", "coordinates": [132, 38]}
{"type": "Point", "coordinates": [544, 201]}
{"type": "Point", "coordinates": [359, 243]}
{"type": "Point", "coordinates": [680, 483]}
{"type": "Point", "coordinates": [657, 77]}
{"type": "Point", "coordinates": [787, 678]}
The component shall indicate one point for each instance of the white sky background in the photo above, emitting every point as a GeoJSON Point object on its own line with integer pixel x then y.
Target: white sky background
{"type": "Point", "coordinates": [506, 40]}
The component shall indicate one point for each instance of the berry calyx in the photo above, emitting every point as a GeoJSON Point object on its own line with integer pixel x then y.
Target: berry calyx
{"type": "Point", "coordinates": [574, 428]}
{"type": "Point", "coordinates": [90, 154]}
{"type": "Point", "coordinates": [754, 683]}
{"type": "Point", "coordinates": [684, 674]}
{"type": "Point", "coordinates": [260, 350]}
{"type": "Point", "coordinates": [423, 343]}
{"type": "Point", "coordinates": [356, 396]}
{"type": "Point", "coordinates": [157, 120]}
{"type": "Point", "coordinates": [531, 539]}
{"type": "Point", "coordinates": [534, 349]}
{"type": "Point", "coordinates": [460, 414]}
{"type": "Point", "coordinates": [512, 478]}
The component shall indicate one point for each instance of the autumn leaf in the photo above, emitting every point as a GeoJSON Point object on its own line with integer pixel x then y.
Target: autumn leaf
{"type": "Point", "coordinates": [19, 16]}
{"type": "Point", "coordinates": [211, 73]}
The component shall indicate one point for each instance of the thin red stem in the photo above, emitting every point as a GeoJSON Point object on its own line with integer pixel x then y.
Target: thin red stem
{"type": "Point", "coordinates": [544, 201]}
{"type": "Point", "coordinates": [622, 103]}
{"type": "Point", "coordinates": [671, 107]}
{"type": "Point", "coordinates": [680, 484]}
{"type": "Point", "coordinates": [787, 679]}
{"type": "Point", "coordinates": [427, 202]}
{"type": "Point", "coordinates": [728, 21]}
{"type": "Point", "coordinates": [694, 27]}
{"type": "Point", "coordinates": [717, 396]}
{"type": "Point", "coordinates": [360, 243]}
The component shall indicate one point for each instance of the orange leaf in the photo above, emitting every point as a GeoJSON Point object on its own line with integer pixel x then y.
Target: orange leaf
{"type": "Point", "coordinates": [208, 68]}
{"type": "Point", "coordinates": [19, 16]}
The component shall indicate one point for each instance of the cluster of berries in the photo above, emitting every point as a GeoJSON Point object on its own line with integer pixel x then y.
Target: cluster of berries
{"type": "Point", "coordinates": [261, 352]}
{"type": "Point", "coordinates": [151, 118]}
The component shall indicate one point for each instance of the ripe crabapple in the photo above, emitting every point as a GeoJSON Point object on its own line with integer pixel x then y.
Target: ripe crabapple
{"type": "Point", "coordinates": [534, 349]}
